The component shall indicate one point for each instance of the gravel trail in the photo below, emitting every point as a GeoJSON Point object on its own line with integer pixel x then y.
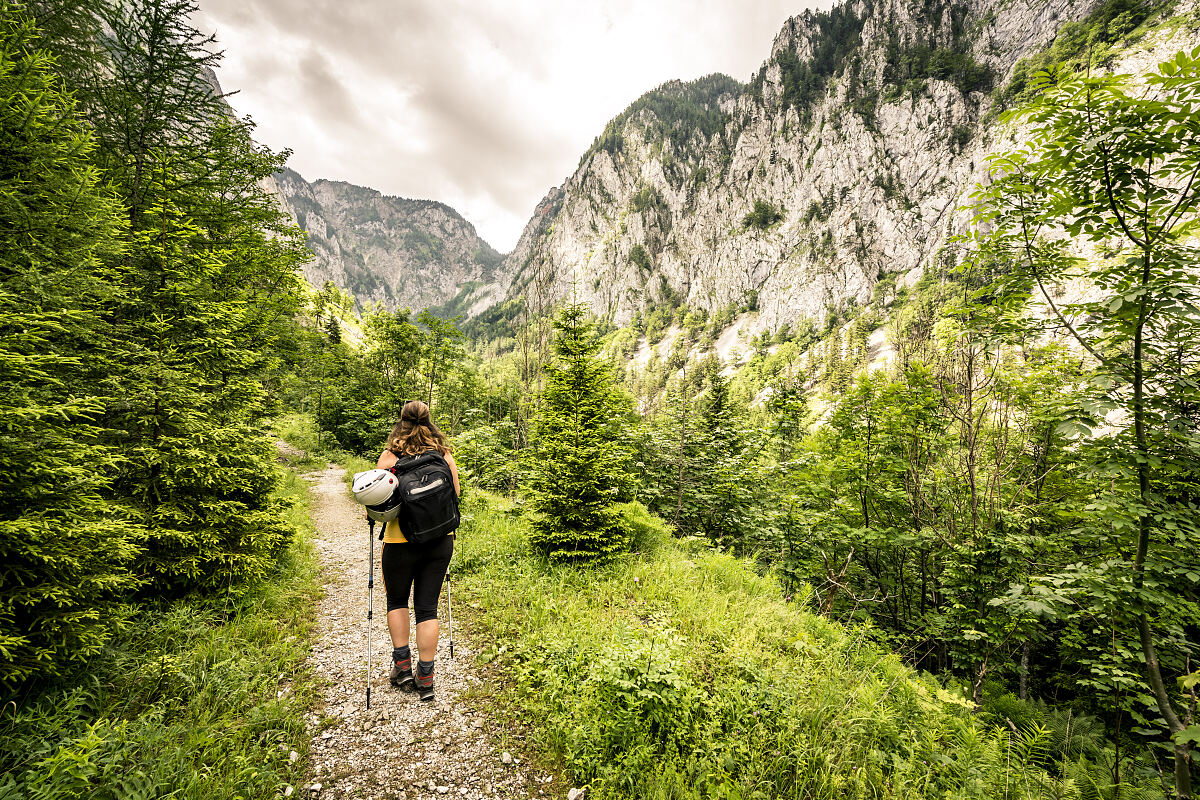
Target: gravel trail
{"type": "Point", "coordinates": [401, 749]}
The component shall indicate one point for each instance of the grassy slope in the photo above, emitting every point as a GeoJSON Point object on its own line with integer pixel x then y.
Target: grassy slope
{"type": "Point", "coordinates": [678, 672]}
{"type": "Point", "coordinates": [197, 699]}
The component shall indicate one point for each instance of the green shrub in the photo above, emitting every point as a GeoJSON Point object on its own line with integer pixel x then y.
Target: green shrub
{"type": "Point", "coordinates": [763, 216]}
{"type": "Point", "coordinates": [1002, 708]}
{"type": "Point", "coordinates": [959, 137]}
{"type": "Point", "coordinates": [639, 257]}
{"type": "Point", "coordinates": [647, 198]}
{"type": "Point", "coordinates": [485, 456]}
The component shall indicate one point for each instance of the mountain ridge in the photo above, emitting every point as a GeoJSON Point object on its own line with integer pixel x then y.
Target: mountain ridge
{"type": "Point", "coordinates": [864, 129]}
{"type": "Point", "coordinates": [397, 251]}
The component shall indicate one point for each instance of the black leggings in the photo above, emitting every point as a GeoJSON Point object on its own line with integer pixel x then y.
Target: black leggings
{"type": "Point", "coordinates": [421, 567]}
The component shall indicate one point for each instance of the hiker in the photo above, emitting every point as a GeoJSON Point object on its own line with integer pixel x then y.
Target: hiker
{"type": "Point", "coordinates": [409, 565]}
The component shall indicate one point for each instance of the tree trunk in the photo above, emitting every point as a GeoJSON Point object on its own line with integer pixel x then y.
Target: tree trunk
{"type": "Point", "coordinates": [1183, 771]}
{"type": "Point", "coordinates": [1023, 692]}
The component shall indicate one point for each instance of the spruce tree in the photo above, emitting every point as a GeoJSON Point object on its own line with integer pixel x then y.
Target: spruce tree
{"type": "Point", "coordinates": [578, 470]}
{"type": "Point", "coordinates": [724, 497]}
{"type": "Point", "coordinates": [213, 261]}
{"type": "Point", "coordinates": [65, 548]}
{"type": "Point", "coordinates": [72, 32]}
{"type": "Point", "coordinates": [333, 331]}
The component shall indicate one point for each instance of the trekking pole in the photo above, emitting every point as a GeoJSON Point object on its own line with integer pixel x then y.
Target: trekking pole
{"type": "Point", "coordinates": [450, 611]}
{"type": "Point", "coordinates": [370, 601]}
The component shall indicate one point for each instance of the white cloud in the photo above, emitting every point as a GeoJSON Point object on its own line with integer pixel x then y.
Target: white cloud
{"type": "Point", "coordinates": [481, 105]}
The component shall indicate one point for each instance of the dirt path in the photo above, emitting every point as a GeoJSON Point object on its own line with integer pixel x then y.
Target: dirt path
{"type": "Point", "coordinates": [402, 749]}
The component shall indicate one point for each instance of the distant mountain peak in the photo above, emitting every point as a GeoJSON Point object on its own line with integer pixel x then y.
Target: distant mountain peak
{"type": "Point", "coordinates": [400, 251]}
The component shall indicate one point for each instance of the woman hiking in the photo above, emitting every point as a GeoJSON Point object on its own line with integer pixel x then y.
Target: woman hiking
{"type": "Point", "coordinates": [409, 565]}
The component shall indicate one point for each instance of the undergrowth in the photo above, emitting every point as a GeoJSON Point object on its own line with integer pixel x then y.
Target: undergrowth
{"type": "Point", "coordinates": [195, 699]}
{"type": "Point", "coordinates": [300, 431]}
{"type": "Point", "coordinates": [678, 672]}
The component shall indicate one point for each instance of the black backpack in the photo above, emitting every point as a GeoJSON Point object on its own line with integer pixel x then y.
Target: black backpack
{"type": "Point", "coordinates": [429, 503]}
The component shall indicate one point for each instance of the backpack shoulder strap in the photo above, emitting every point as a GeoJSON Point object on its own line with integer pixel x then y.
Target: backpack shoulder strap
{"type": "Point", "coordinates": [407, 462]}
{"type": "Point", "coordinates": [428, 457]}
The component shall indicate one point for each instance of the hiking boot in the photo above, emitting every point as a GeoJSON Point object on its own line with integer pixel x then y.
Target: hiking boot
{"type": "Point", "coordinates": [401, 675]}
{"type": "Point", "coordinates": [424, 686]}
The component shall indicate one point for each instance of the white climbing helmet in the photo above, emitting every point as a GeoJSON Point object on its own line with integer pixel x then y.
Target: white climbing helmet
{"type": "Point", "coordinates": [374, 486]}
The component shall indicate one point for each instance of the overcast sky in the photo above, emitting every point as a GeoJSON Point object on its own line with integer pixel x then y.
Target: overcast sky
{"type": "Point", "coordinates": [481, 105]}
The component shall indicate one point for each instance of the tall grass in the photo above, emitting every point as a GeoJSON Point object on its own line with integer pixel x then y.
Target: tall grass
{"type": "Point", "coordinates": [196, 699]}
{"type": "Point", "coordinates": [680, 673]}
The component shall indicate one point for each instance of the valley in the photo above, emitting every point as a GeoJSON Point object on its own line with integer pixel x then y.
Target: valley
{"type": "Point", "coordinates": [830, 431]}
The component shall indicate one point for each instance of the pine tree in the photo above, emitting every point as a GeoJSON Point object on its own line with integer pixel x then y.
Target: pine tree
{"type": "Point", "coordinates": [578, 471]}
{"type": "Point", "coordinates": [669, 454]}
{"type": "Point", "coordinates": [65, 550]}
{"type": "Point", "coordinates": [729, 479]}
{"type": "Point", "coordinates": [72, 32]}
{"type": "Point", "coordinates": [212, 262]}
{"type": "Point", "coordinates": [682, 473]}
{"type": "Point", "coordinates": [717, 413]}
{"type": "Point", "coordinates": [333, 331]}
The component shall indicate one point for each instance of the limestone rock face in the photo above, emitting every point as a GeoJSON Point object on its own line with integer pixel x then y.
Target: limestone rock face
{"type": "Point", "coordinates": [403, 253]}
{"type": "Point", "coordinates": [863, 132]}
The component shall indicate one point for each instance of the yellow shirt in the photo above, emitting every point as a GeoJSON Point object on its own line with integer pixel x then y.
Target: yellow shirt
{"type": "Point", "coordinates": [392, 534]}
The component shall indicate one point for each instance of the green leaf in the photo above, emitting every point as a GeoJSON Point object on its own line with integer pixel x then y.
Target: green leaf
{"type": "Point", "coordinates": [1189, 735]}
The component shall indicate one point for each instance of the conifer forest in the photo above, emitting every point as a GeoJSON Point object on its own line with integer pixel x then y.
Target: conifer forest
{"type": "Point", "coordinates": [938, 538]}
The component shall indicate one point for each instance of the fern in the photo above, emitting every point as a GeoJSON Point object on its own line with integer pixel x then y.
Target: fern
{"type": "Point", "coordinates": [1073, 734]}
{"type": "Point", "coordinates": [1031, 745]}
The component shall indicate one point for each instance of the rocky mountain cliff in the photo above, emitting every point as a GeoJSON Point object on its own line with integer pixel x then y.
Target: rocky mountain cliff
{"type": "Point", "coordinates": [403, 253]}
{"type": "Point", "coordinates": [843, 160]}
